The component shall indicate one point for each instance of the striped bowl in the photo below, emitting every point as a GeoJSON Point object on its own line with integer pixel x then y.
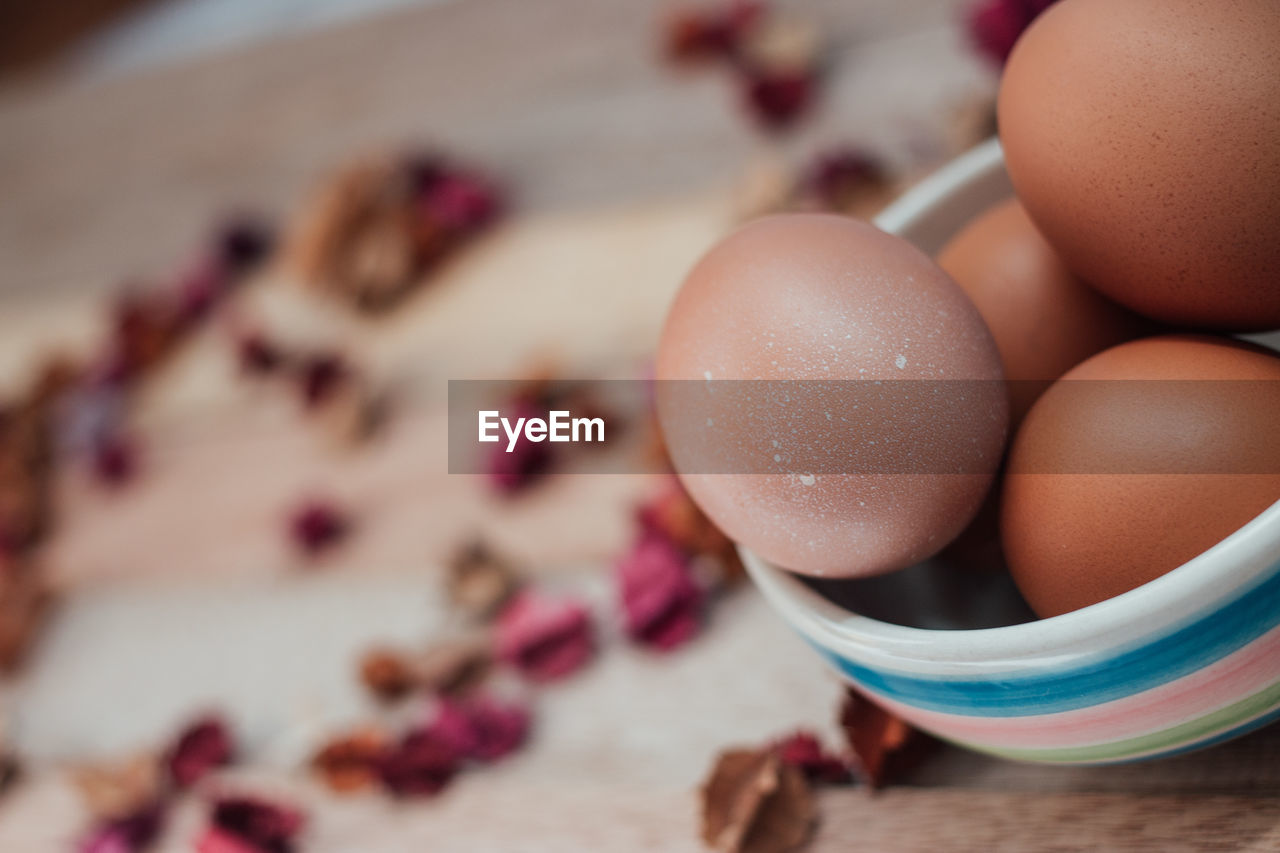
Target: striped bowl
{"type": "Point", "coordinates": [1188, 660]}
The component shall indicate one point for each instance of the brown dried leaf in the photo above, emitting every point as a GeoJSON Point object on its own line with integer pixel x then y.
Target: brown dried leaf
{"type": "Point", "coordinates": [26, 603]}
{"type": "Point", "coordinates": [754, 803]}
{"type": "Point", "coordinates": [885, 745]}
{"type": "Point", "coordinates": [480, 581]}
{"type": "Point", "coordinates": [114, 791]}
{"type": "Point", "coordinates": [451, 665]}
{"type": "Point", "coordinates": [350, 763]}
{"type": "Point", "coordinates": [357, 412]}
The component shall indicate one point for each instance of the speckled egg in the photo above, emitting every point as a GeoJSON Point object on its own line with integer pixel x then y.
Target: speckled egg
{"type": "Point", "coordinates": [829, 396]}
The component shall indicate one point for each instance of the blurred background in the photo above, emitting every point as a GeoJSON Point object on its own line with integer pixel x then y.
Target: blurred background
{"type": "Point", "coordinates": [246, 245]}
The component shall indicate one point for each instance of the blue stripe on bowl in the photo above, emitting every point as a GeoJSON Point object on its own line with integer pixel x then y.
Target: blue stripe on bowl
{"type": "Point", "coordinates": [1104, 677]}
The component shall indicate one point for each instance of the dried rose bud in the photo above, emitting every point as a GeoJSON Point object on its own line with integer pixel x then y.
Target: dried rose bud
{"type": "Point", "coordinates": [257, 355]}
{"type": "Point", "coordinates": [836, 179]}
{"type": "Point", "coordinates": [461, 202]}
{"type": "Point", "coordinates": [661, 604]}
{"type": "Point", "coordinates": [752, 802]}
{"type": "Point", "coordinates": [202, 747]}
{"type": "Point", "coordinates": [242, 243]}
{"type": "Point", "coordinates": [251, 825]}
{"type": "Point", "coordinates": [480, 728]}
{"type": "Point", "coordinates": [885, 746]}
{"type": "Point", "coordinates": [777, 98]}
{"type": "Point", "coordinates": [318, 525]}
{"type": "Point", "coordinates": [527, 461]}
{"type": "Point", "coordinates": [319, 377]}
{"type": "Point", "coordinates": [698, 35]}
{"type": "Point", "coordinates": [115, 460]}
{"type": "Point", "coordinates": [480, 581]}
{"type": "Point", "coordinates": [350, 763]}
{"type": "Point", "coordinates": [387, 674]}
{"type": "Point", "coordinates": [420, 765]}
{"type": "Point", "coordinates": [995, 25]}
{"type": "Point", "coordinates": [131, 833]}
{"type": "Point", "coordinates": [803, 751]}
{"type": "Point", "coordinates": [543, 638]}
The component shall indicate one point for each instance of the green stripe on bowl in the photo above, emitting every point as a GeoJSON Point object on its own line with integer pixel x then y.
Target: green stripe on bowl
{"type": "Point", "coordinates": [1183, 733]}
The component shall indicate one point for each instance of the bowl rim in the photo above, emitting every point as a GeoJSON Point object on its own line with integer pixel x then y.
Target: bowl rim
{"type": "Point", "coordinates": [1198, 585]}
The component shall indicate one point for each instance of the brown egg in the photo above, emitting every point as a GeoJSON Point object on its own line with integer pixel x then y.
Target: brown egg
{"type": "Point", "coordinates": [814, 471]}
{"type": "Point", "coordinates": [1044, 319]}
{"type": "Point", "coordinates": [1136, 461]}
{"type": "Point", "coordinates": [1143, 136]}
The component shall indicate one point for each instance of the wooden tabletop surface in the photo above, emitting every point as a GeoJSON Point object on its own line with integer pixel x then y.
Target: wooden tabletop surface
{"type": "Point", "coordinates": [623, 171]}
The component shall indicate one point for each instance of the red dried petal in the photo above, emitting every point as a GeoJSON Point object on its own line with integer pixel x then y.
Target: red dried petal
{"type": "Point", "coordinates": [995, 25]}
{"type": "Point", "coordinates": [242, 243]}
{"type": "Point", "coordinates": [673, 514]}
{"type": "Point", "coordinates": [836, 176]}
{"type": "Point", "coordinates": [319, 376]}
{"type": "Point", "coordinates": [461, 202]}
{"type": "Point", "coordinates": [544, 638]}
{"type": "Point", "coordinates": [527, 461]}
{"type": "Point", "coordinates": [693, 35]}
{"type": "Point", "coordinates": [257, 355]}
{"type": "Point", "coordinates": [115, 460]}
{"type": "Point", "coordinates": [480, 728]}
{"type": "Point", "coordinates": [318, 525]}
{"type": "Point", "coordinates": [129, 834]}
{"type": "Point", "coordinates": [776, 99]}
{"type": "Point", "coordinates": [421, 765]}
{"type": "Point", "coordinates": [885, 745]}
{"type": "Point", "coordinates": [203, 746]}
{"type": "Point", "coordinates": [661, 603]}
{"type": "Point", "coordinates": [255, 824]}
{"type": "Point", "coordinates": [804, 751]}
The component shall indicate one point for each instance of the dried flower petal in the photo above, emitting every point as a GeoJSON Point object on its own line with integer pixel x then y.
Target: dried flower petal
{"type": "Point", "coordinates": [115, 791]}
{"type": "Point", "coordinates": [460, 202]}
{"type": "Point", "coordinates": [661, 603]}
{"type": "Point", "coordinates": [447, 666]}
{"type": "Point", "coordinates": [115, 460]}
{"type": "Point", "coordinates": [778, 98]}
{"type": "Point", "coordinates": [803, 751]}
{"type": "Point", "coordinates": [26, 602]}
{"type": "Point", "coordinates": [513, 471]}
{"type": "Point", "coordinates": [884, 745]}
{"type": "Point", "coordinates": [995, 25]}
{"type": "Point", "coordinates": [697, 35]}
{"type": "Point", "coordinates": [387, 674]}
{"type": "Point", "coordinates": [130, 833]}
{"type": "Point", "coordinates": [480, 581]}
{"type": "Point", "coordinates": [242, 243]}
{"type": "Point", "coordinates": [752, 802]}
{"type": "Point", "coordinates": [254, 824]}
{"type": "Point", "coordinates": [420, 765]}
{"type": "Point", "coordinates": [319, 377]}
{"type": "Point", "coordinates": [203, 746]}
{"type": "Point", "coordinates": [350, 763]}
{"type": "Point", "coordinates": [545, 639]}
{"type": "Point", "coordinates": [671, 513]}
{"type": "Point", "coordinates": [257, 355]}
{"type": "Point", "coordinates": [480, 728]}
{"type": "Point", "coordinates": [318, 525]}
{"type": "Point", "coordinates": [836, 179]}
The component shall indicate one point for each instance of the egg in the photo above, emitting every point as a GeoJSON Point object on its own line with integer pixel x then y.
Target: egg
{"type": "Point", "coordinates": [1136, 461]}
{"type": "Point", "coordinates": [815, 471]}
{"type": "Point", "coordinates": [1143, 136]}
{"type": "Point", "coordinates": [1044, 319]}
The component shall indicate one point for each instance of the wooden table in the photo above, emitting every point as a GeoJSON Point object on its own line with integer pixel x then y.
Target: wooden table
{"type": "Point", "coordinates": [181, 591]}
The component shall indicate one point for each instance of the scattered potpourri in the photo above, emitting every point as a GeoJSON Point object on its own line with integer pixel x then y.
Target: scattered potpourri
{"type": "Point", "coordinates": [202, 747]}
{"type": "Point", "coordinates": [759, 800]}
{"type": "Point", "coordinates": [129, 833]}
{"type": "Point", "coordinates": [380, 225]}
{"type": "Point", "coordinates": [449, 665]}
{"type": "Point", "coordinates": [661, 602]}
{"type": "Point", "coordinates": [994, 25]}
{"type": "Point", "coordinates": [776, 66]}
{"type": "Point", "coordinates": [480, 581]}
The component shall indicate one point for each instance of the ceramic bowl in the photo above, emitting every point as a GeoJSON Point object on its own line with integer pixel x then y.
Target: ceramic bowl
{"type": "Point", "coordinates": [1188, 660]}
